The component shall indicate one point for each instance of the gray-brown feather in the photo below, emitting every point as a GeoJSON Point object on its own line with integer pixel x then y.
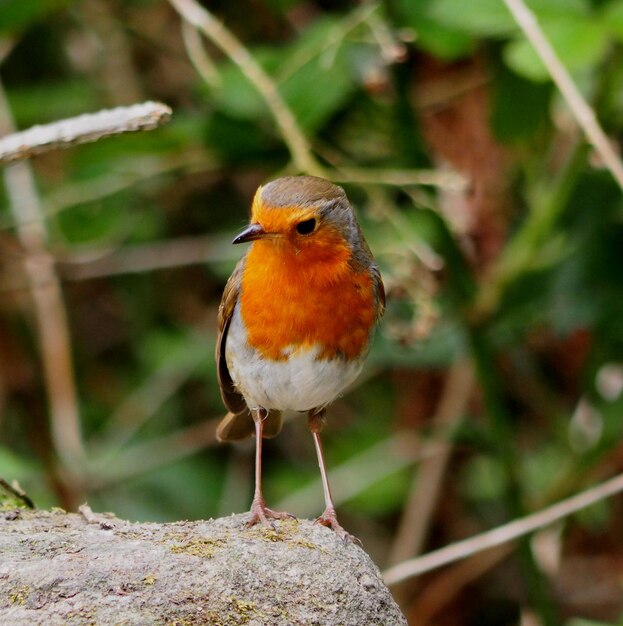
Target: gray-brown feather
{"type": "Point", "coordinates": [232, 398]}
{"type": "Point", "coordinates": [237, 426]}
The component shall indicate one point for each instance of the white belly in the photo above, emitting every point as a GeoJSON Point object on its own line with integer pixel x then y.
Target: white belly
{"type": "Point", "coordinates": [300, 383]}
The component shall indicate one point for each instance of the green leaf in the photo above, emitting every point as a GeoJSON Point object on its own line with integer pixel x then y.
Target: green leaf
{"type": "Point", "coordinates": [14, 467]}
{"type": "Point", "coordinates": [443, 42]}
{"type": "Point", "coordinates": [175, 350]}
{"type": "Point", "coordinates": [483, 479]}
{"type": "Point", "coordinates": [41, 102]}
{"type": "Point", "coordinates": [316, 76]}
{"type": "Point", "coordinates": [612, 18]}
{"type": "Point", "coordinates": [240, 141]}
{"type": "Point", "coordinates": [579, 42]}
{"type": "Point", "coordinates": [235, 94]}
{"type": "Point", "coordinates": [110, 219]}
{"type": "Point", "coordinates": [491, 18]}
{"type": "Point", "coordinates": [383, 497]}
{"type": "Point", "coordinates": [519, 106]}
{"type": "Point", "coordinates": [313, 75]}
{"type": "Point", "coordinates": [438, 39]}
{"type": "Point", "coordinates": [16, 15]}
{"type": "Point", "coordinates": [480, 18]}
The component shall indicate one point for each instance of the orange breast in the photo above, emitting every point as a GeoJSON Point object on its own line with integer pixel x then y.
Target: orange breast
{"type": "Point", "coordinates": [300, 298]}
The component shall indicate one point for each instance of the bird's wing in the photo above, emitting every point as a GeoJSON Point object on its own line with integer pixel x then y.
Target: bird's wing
{"type": "Point", "coordinates": [231, 396]}
{"type": "Point", "coordinates": [379, 290]}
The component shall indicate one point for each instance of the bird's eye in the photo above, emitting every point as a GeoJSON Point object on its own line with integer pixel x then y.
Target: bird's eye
{"type": "Point", "coordinates": [306, 227]}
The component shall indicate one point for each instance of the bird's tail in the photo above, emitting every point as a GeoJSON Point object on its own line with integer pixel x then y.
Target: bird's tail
{"type": "Point", "coordinates": [237, 426]}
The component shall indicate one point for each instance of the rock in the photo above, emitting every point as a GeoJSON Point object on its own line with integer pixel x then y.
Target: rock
{"type": "Point", "coordinates": [59, 568]}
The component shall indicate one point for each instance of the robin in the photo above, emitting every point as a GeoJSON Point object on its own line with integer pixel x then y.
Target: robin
{"type": "Point", "coordinates": [296, 319]}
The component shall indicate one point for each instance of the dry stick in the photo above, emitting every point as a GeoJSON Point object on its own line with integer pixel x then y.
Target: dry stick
{"type": "Point", "coordinates": [392, 50]}
{"type": "Point", "coordinates": [16, 492]}
{"type": "Point", "coordinates": [123, 176]}
{"type": "Point", "coordinates": [299, 147]}
{"type": "Point", "coordinates": [359, 15]}
{"type": "Point", "coordinates": [116, 71]}
{"type": "Point", "coordinates": [452, 181]}
{"type": "Point", "coordinates": [503, 534]}
{"type": "Point", "coordinates": [148, 257]}
{"type": "Point", "coordinates": [49, 307]}
{"type": "Point", "coordinates": [44, 285]}
{"type": "Point", "coordinates": [224, 39]}
{"type": "Point", "coordinates": [82, 129]}
{"type": "Point", "coordinates": [198, 56]}
{"type": "Point", "coordinates": [426, 485]}
{"type": "Point", "coordinates": [582, 112]}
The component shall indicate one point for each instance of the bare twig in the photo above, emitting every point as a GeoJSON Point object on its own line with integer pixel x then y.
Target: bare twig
{"type": "Point", "coordinates": [48, 304]}
{"type": "Point", "coordinates": [392, 50]}
{"type": "Point", "coordinates": [104, 521]}
{"type": "Point", "coordinates": [124, 175]}
{"type": "Point", "coordinates": [452, 181]}
{"type": "Point", "coordinates": [178, 252]}
{"type": "Point", "coordinates": [116, 71]}
{"type": "Point", "coordinates": [330, 44]}
{"type": "Point", "coordinates": [224, 39]}
{"type": "Point", "coordinates": [82, 129]}
{"type": "Point", "coordinates": [16, 492]}
{"type": "Point", "coordinates": [405, 233]}
{"type": "Point", "coordinates": [503, 534]}
{"type": "Point", "coordinates": [198, 56]}
{"type": "Point", "coordinates": [582, 112]}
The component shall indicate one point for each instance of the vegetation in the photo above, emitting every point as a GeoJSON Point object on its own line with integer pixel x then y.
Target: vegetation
{"type": "Point", "coordinates": [494, 387]}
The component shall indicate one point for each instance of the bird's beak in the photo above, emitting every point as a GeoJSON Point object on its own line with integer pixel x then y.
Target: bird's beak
{"type": "Point", "coordinates": [250, 233]}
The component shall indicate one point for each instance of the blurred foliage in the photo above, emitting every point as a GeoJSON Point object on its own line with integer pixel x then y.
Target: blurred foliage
{"type": "Point", "coordinates": [518, 274]}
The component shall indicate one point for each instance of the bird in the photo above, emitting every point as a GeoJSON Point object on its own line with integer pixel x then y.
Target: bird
{"type": "Point", "coordinates": [295, 321]}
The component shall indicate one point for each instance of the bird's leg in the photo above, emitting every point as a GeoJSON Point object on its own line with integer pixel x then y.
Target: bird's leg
{"type": "Point", "coordinates": [316, 421]}
{"type": "Point", "coordinates": [259, 511]}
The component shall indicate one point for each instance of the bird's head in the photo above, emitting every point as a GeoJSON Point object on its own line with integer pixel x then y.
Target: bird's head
{"type": "Point", "coordinates": [304, 214]}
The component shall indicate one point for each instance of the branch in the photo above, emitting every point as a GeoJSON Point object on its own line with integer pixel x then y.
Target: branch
{"type": "Point", "coordinates": [13, 494]}
{"type": "Point", "coordinates": [582, 112]}
{"type": "Point", "coordinates": [49, 309]}
{"type": "Point", "coordinates": [503, 534]}
{"type": "Point", "coordinates": [97, 262]}
{"type": "Point", "coordinates": [82, 129]}
{"type": "Point", "coordinates": [60, 568]}
{"type": "Point", "coordinates": [452, 181]}
{"type": "Point", "coordinates": [224, 39]}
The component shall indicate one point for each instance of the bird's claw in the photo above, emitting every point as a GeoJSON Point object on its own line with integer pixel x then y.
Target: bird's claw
{"type": "Point", "coordinates": [329, 519]}
{"type": "Point", "coordinates": [260, 513]}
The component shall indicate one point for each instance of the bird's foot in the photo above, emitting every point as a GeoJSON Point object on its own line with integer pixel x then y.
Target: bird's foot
{"type": "Point", "coordinates": [260, 513]}
{"type": "Point", "coordinates": [329, 519]}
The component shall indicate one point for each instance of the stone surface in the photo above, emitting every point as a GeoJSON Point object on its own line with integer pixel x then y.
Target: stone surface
{"type": "Point", "coordinates": [58, 568]}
